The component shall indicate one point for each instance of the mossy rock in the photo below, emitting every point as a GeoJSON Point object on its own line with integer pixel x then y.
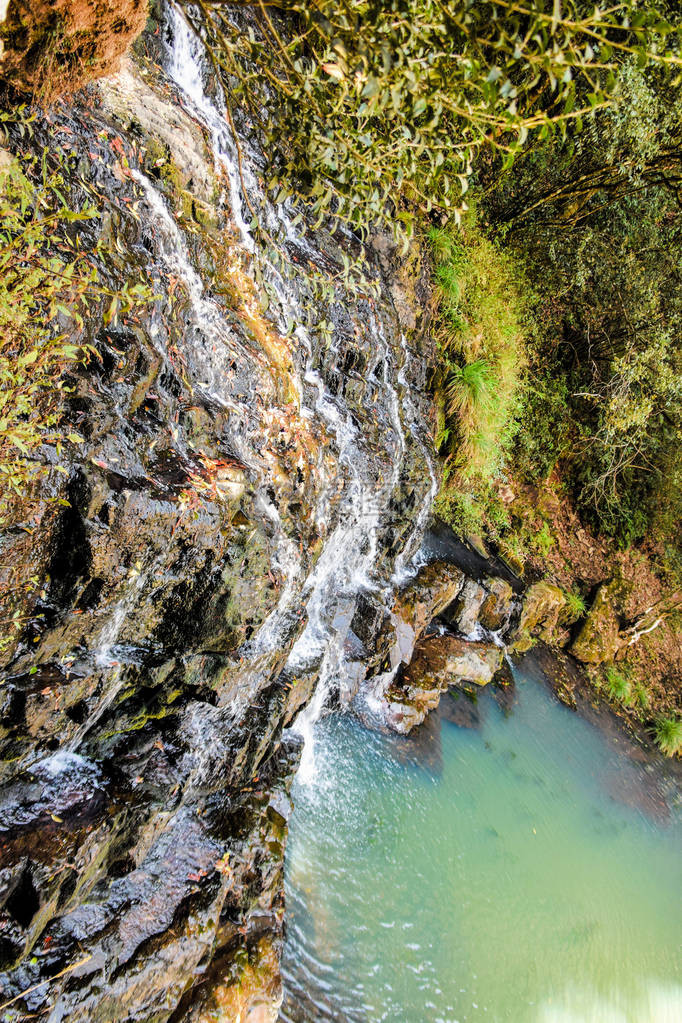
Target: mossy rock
{"type": "Point", "coordinates": [542, 607]}
{"type": "Point", "coordinates": [598, 639]}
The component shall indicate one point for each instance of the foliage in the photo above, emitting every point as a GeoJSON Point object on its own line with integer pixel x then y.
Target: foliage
{"type": "Point", "coordinates": [575, 605]}
{"type": "Point", "coordinates": [460, 509]}
{"type": "Point", "coordinates": [478, 328]}
{"type": "Point", "coordinates": [640, 695]}
{"type": "Point", "coordinates": [365, 103]}
{"type": "Point", "coordinates": [619, 686]}
{"type": "Point", "coordinates": [44, 279]}
{"type": "Point", "coordinates": [543, 540]}
{"type": "Point", "coordinates": [47, 283]}
{"type": "Point", "coordinates": [596, 220]}
{"type": "Point", "coordinates": [668, 732]}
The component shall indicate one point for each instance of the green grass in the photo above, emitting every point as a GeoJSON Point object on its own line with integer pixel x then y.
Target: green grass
{"type": "Point", "coordinates": [479, 329]}
{"type": "Point", "coordinates": [641, 695]}
{"type": "Point", "coordinates": [618, 686]}
{"type": "Point", "coordinates": [668, 732]}
{"type": "Point", "coordinates": [575, 605]}
{"type": "Point", "coordinates": [543, 540]}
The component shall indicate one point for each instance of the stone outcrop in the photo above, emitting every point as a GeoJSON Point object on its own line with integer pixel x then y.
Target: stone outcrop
{"type": "Point", "coordinates": [438, 662]}
{"type": "Point", "coordinates": [606, 633]}
{"type": "Point", "coordinates": [496, 609]}
{"type": "Point", "coordinates": [438, 633]}
{"type": "Point", "coordinates": [542, 607]}
{"type": "Point", "coordinates": [598, 639]}
{"type": "Point", "coordinates": [463, 614]}
{"type": "Point", "coordinates": [432, 590]}
{"type": "Point", "coordinates": [50, 48]}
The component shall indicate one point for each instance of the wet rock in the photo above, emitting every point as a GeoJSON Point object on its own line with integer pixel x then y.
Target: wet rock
{"type": "Point", "coordinates": [432, 590]}
{"type": "Point", "coordinates": [134, 98]}
{"type": "Point", "coordinates": [438, 662]}
{"type": "Point", "coordinates": [60, 786]}
{"type": "Point", "coordinates": [463, 615]}
{"type": "Point", "coordinates": [540, 614]}
{"type": "Point", "coordinates": [496, 608]}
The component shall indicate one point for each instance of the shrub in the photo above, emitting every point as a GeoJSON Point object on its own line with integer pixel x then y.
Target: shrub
{"type": "Point", "coordinates": [366, 105]}
{"type": "Point", "coordinates": [595, 218]}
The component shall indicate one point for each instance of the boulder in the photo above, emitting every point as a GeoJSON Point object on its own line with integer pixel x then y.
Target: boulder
{"type": "Point", "coordinates": [438, 662]}
{"type": "Point", "coordinates": [497, 605]}
{"type": "Point", "coordinates": [542, 606]}
{"type": "Point", "coordinates": [598, 639]}
{"type": "Point", "coordinates": [433, 588]}
{"type": "Point", "coordinates": [463, 614]}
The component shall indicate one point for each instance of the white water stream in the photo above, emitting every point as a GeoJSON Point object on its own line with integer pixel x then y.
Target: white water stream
{"type": "Point", "coordinates": [348, 562]}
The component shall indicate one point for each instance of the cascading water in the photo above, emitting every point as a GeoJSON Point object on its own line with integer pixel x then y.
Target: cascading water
{"type": "Point", "coordinates": [348, 561]}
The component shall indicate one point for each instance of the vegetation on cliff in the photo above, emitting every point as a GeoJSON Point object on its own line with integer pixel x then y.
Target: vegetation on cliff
{"type": "Point", "coordinates": [557, 305]}
{"type": "Point", "coordinates": [372, 109]}
{"type": "Point", "coordinates": [557, 313]}
{"type": "Point", "coordinates": [44, 280]}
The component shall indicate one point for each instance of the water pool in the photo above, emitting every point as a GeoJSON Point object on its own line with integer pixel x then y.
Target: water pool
{"type": "Point", "coordinates": [516, 869]}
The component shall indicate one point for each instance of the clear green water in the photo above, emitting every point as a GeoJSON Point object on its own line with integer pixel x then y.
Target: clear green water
{"type": "Point", "coordinates": [499, 874]}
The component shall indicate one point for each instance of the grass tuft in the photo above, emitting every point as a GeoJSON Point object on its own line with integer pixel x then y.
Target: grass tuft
{"type": "Point", "coordinates": [618, 686]}
{"type": "Point", "coordinates": [479, 331]}
{"type": "Point", "coordinates": [575, 605]}
{"type": "Point", "coordinates": [668, 732]}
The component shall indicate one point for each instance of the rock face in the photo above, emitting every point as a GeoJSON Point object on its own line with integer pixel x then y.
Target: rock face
{"type": "Point", "coordinates": [542, 607]}
{"type": "Point", "coordinates": [253, 457]}
{"type": "Point", "coordinates": [53, 47]}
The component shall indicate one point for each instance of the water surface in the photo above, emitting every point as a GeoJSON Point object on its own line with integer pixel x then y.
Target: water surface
{"type": "Point", "coordinates": [518, 869]}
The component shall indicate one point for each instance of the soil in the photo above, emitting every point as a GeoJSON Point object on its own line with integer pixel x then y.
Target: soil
{"type": "Point", "coordinates": [578, 560]}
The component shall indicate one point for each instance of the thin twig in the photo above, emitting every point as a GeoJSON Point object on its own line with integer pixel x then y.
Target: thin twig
{"type": "Point", "coordinates": [29, 990]}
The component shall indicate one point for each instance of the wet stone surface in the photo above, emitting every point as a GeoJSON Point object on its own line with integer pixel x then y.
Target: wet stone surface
{"type": "Point", "coordinates": [244, 477]}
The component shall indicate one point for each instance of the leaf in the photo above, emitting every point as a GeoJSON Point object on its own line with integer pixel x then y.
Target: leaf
{"type": "Point", "coordinates": [334, 71]}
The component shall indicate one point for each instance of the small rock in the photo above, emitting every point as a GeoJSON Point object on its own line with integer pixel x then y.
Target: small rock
{"type": "Point", "coordinates": [463, 614]}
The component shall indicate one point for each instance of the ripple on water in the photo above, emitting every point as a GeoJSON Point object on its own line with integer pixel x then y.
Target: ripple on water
{"type": "Point", "coordinates": [506, 878]}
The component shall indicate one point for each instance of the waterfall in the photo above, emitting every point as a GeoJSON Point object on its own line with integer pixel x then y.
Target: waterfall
{"type": "Point", "coordinates": [348, 561]}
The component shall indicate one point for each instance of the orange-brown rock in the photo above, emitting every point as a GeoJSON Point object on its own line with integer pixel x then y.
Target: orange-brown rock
{"type": "Point", "coordinates": [49, 48]}
{"type": "Point", "coordinates": [438, 662]}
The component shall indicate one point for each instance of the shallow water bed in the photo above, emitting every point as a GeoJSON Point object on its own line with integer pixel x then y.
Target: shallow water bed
{"type": "Point", "coordinates": [512, 870]}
